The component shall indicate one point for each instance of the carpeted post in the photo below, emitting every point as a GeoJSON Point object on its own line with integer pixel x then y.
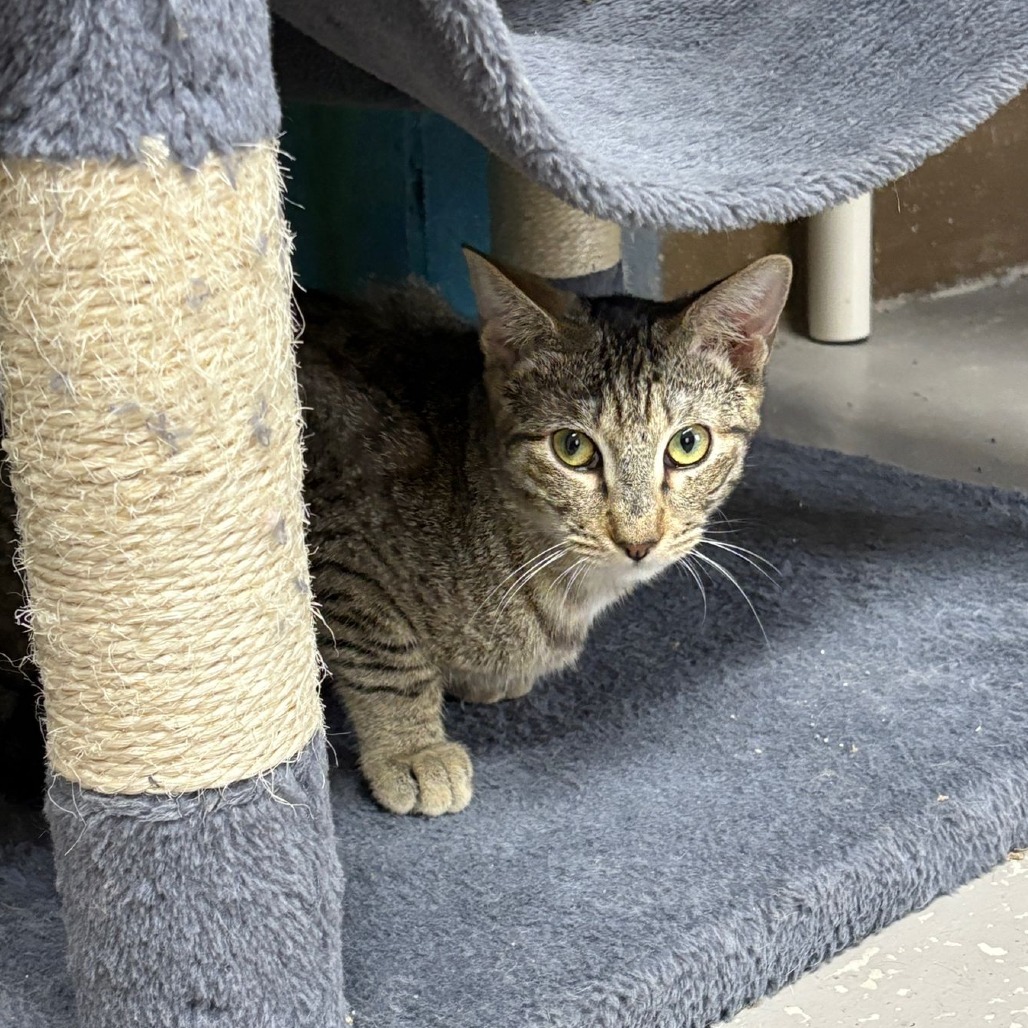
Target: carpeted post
{"type": "Point", "coordinates": [152, 426]}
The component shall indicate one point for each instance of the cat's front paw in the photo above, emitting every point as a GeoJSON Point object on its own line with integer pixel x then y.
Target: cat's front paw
{"type": "Point", "coordinates": [432, 781]}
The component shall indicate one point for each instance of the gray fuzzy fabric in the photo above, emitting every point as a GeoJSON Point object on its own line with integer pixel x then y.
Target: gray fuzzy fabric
{"type": "Point", "coordinates": [220, 909]}
{"type": "Point", "coordinates": [694, 816]}
{"type": "Point", "coordinates": [692, 114]}
{"type": "Point", "coordinates": [314, 74]}
{"type": "Point", "coordinates": [82, 78]}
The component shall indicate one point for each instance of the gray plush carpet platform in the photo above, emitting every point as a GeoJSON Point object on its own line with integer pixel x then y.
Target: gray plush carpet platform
{"type": "Point", "coordinates": [694, 817]}
{"type": "Point", "coordinates": [692, 114]}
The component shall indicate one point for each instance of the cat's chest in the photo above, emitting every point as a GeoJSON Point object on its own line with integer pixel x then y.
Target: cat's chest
{"type": "Point", "coordinates": [533, 631]}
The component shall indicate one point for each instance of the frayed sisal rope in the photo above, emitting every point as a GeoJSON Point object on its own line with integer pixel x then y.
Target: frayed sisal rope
{"type": "Point", "coordinates": [153, 430]}
{"type": "Point", "coordinates": [535, 231]}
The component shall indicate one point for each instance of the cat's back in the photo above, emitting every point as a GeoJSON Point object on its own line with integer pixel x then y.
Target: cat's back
{"type": "Point", "coordinates": [384, 381]}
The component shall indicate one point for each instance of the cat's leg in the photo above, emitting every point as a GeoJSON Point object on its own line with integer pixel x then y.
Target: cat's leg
{"type": "Point", "coordinates": [394, 700]}
{"type": "Point", "coordinates": [391, 690]}
{"type": "Point", "coordinates": [475, 687]}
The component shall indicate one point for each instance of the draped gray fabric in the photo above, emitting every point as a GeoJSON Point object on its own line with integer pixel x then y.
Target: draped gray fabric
{"type": "Point", "coordinates": [689, 114]}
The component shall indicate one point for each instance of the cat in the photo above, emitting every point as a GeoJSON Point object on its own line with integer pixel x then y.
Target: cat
{"type": "Point", "coordinates": [478, 498]}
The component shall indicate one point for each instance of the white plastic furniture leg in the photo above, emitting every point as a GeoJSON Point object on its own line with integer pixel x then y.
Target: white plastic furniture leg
{"type": "Point", "coordinates": [839, 273]}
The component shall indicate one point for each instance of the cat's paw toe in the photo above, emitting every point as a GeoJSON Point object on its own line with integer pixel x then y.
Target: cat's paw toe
{"type": "Point", "coordinates": [432, 781]}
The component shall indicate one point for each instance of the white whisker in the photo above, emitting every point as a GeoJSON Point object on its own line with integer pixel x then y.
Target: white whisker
{"type": "Point", "coordinates": [567, 571]}
{"type": "Point", "coordinates": [492, 592]}
{"type": "Point", "coordinates": [526, 578]}
{"type": "Point", "coordinates": [729, 526]}
{"type": "Point", "coordinates": [583, 565]}
{"type": "Point", "coordinates": [742, 592]}
{"type": "Point", "coordinates": [684, 562]}
{"type": "Point", "coordinates": [749, 556]}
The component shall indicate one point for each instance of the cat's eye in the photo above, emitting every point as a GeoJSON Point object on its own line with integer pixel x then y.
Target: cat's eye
{"type": "Point", "coordinates": [575, 449]}
{"type": "Point", "coordinates": [688, 446]}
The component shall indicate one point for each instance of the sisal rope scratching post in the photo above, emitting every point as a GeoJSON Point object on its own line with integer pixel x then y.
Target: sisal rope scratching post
{"type": "Point", "coordinates": [153, 430]}
{"type": "Point", "coordinates": [534, 230]}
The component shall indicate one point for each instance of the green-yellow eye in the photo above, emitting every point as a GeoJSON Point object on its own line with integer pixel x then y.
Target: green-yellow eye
{"type": "Point", "coordinates": [688, 446]}
{"type": "Point", "coordinates": [575, 449]}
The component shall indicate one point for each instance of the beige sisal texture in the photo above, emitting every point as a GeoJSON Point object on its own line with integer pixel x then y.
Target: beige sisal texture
{"type": "Point", "coordinates": [535, 231]}
{"type": "Point", "coordinates": [153, 431]}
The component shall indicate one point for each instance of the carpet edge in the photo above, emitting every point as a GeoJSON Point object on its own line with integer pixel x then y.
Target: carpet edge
{"type": "Point", "coordinates": [986, 825]}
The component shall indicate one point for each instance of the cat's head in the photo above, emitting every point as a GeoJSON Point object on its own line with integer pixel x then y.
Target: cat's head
{"type": "Point", "coordinates": [622, 423]}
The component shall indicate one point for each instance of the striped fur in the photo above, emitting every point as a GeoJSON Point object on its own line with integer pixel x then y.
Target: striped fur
{"type": "Point", "coordinates": [453, 552]}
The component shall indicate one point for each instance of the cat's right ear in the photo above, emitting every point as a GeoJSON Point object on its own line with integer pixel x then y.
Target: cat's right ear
{"type": "Point", "coordinates": [517, 309]}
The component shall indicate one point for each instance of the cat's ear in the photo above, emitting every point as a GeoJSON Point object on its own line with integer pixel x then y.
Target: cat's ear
{"type": "Point", "coordinates": [739, 316]}
{"type": "Point", "coordinates": [516, 308]}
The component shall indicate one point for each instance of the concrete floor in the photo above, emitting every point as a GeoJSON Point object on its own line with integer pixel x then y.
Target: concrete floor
{"type": "Point", "coordinates": [962, 961]}
{"type": "Point", "coordinates": [941, 388]}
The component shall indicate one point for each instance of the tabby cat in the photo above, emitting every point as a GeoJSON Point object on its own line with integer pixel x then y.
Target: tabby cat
{"type": "Point", "coordinates": [478, 499]}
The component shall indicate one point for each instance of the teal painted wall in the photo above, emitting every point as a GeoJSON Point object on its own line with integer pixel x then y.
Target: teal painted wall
{"type": "Point", "coordinates": [382, 195]}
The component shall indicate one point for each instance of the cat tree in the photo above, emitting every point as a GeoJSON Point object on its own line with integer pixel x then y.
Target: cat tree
{"type": "Point", "coordinates": [532, 228]}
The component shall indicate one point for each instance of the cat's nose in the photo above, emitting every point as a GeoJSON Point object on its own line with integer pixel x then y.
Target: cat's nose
{"type": "Point", "coordinates": [638, 550]}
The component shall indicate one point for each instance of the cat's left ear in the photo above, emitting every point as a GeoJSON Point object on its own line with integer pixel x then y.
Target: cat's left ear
{"type": "Point", "coordinates": [516, 308]}
{"type": "Point", "coordinates": [739, 316]}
